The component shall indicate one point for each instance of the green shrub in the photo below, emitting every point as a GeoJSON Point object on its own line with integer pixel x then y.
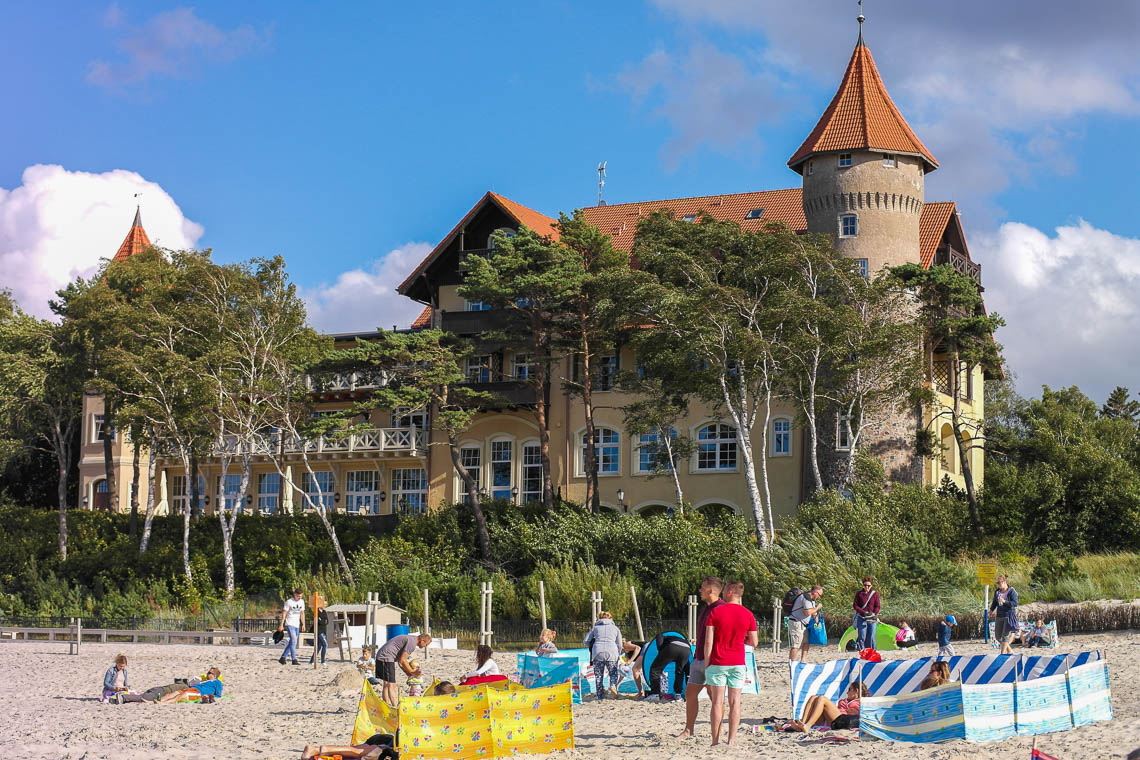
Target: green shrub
{"type": "Point", "coordinates": [921, 565]}
{"type": "Point", "coordinates": [1052, 568]}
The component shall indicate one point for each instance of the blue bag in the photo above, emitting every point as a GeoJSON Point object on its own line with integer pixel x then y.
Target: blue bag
{"type": "Point", "coordinates": [817, 632]}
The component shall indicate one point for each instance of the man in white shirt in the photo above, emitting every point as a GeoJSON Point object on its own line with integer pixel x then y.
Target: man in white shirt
{"type": "Point", "coordinates": [803, 611]}
{"type": "Point", "coordinates": [292, 622]}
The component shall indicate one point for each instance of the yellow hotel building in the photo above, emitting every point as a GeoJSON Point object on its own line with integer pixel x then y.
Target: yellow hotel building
{"type": "Point", "coordinates": [862, 173]}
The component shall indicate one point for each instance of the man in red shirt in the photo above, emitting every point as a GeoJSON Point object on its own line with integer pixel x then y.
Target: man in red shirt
{"type": "Point", "coordinates": [710, 595]}
{"type": "Point", "coordinates": [727, 630]}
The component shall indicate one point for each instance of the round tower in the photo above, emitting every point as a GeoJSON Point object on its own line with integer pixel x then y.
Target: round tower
{"type": "Point", "coordinates": [863, 170]}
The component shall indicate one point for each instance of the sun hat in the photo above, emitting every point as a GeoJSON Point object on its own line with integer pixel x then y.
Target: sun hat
{"type": "Point", "coordinates": [277, 636]}
{"type": "Point", "coordinates": [950, 619]}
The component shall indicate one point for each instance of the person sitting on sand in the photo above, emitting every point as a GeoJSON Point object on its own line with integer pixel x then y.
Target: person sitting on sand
{"type": "Point", "coordinates": [546, 646]}
{"type": "Point", "coordinates": [905, 636]}
{"type": "Point", "coordinates": [485, 664]}
{"type": "Point", "coordinates": [209, 689]}
{"type": "Point", "coordinates": [378, 746]}
{"type": "Point", "coordinates": [1037, 636]}
{"type": "Point", "coordinates": [940, 669]}
{"type": "Point", "coordinates": [819, 710]}
{"type": "Point", "coordinates": [115, 679]}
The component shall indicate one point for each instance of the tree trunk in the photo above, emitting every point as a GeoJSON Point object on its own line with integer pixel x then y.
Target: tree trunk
{"type": "Point", "coordinates": [62, 455]}
{"type": "Point", "coordinates": [108, 460]}
{"type": "Point", "coordinates": [195, 505]}
{"type": "Point", "coordinates": [668, 443]}
{"type": "Point", "coordinates": [813, 427]}
{"type": "Point", "coordinates": [186, 525]}
{"type": "Point", "coordinates": [336, 545]}
{"type": "Point", "coordinates": [482, 534]}
{"type": "Point", "coordinates": [744, 443]}
{"type": "Point", "coordinates": [133, 524]}
{"type": "Point", "coordinates": [963, 454]}
{"type": "Point", "coordinates": [229, 524]}
{"type": "Point", "coordinates": [541, 407]}
{"type": "Point", "coordinates": [152, 465]}
{"type": "Point", "coordinates": [590, 450]}
{"type": "Point", "coordinates": [764, 458]}
{"type": "Point", "coordinates": [318, 506]}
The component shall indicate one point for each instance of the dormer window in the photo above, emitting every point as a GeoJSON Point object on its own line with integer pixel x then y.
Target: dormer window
{"type": "Point", "coordinates": [844, 160]}
{"type": "Point", "coordinates": [689, 218]}
{"type": "Point", "coordinates": [755, 213]}
{"type": "Point", "coordinates": [890, 161]}
{"type": "Point", "coordinates": [848, 225]}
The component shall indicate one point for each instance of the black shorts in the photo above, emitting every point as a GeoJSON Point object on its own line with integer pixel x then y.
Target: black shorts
{"type": "Point", "coordinates": [386, 671]}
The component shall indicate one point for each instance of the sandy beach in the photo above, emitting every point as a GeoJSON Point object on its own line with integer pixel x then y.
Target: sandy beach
{"type": "Point", "coordinates": [50, 709]}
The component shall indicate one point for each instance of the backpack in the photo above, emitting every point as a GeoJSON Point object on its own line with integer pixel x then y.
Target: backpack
{"type": "Point", "coordinates": [790, 599]}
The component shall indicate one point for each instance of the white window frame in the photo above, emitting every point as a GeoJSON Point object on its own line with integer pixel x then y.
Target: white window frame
{"type": "Point", "coordinates": [361, 501]}
{"type": "Point", "coordinates": [721, 444]}
{"type": "Point", "coordinates": [522, 363]}
{"type": "Point", "coordinates": [754, 213]}
{"type": "Point", "coordinates": [846, 160]}
{"type": "Point", "coordinates": [267, 501]}
{"type": "Point", "coordinates": [601, 431]}
{"type": "Point", "coordinates": [498, 447]}
{"type": "Point", "coordinates": [780, 432]}
{"type": "Point", "coordinates": [327, 497]}
{"type": "Point", "coordinates": [409, 492]}
{"type": "Point", "coordinates": [649, 439]}
{"type": "Point", "coordinates": [228, 499]}
{"type": "Point", "coordinates": [607, 370]}
{"type": "Point", "coordinates": [864, 268]}
{"type": "Point", "coordinates": [97, 428]}
{"type": "Point", "coordinates": [842, 439]}
{"type": "Point", "coordinates": [855, 221]}
{"type": "Point", "coordinates": [508, 231]}
{"type": "Point", "coordinates": [689, 218]}
{"type": "Point", "coordinates": [530, 458]}
{"type": "Point", "coordinates": [406, 417]}
{"type": "Point", "coordinates": [474, 467]}
{"type": "Point", "coordinates": [475, 367]}
{"type": "Point", "coordinates": [476, 305]}
{"type": "Point", "coordinates": [890, 161]}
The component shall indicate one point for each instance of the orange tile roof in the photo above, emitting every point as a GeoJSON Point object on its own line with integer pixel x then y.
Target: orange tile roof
{"type": "Point", "coordinates": [931, 226]}
{"type": "Point", "coordinates": [862, 116]}
{"type": "Point", "coordinates": [619, 220]}
{"type": "Point", "coordinates": [541, 223]}
{"type": "Point", "coordinates": [135, 241]}
{"type": "Point", "coordinates": [423, 320]}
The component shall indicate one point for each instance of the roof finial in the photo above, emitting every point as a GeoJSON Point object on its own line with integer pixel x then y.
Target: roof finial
{"type": "Point", "coordinates": [138, 211]}
{"type": "Point", "coordinates": [860, 18]}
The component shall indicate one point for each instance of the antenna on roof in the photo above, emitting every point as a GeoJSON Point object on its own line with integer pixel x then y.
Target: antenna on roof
{"type": "Point", "coordinates": [860, 18]}
{"type": "Point", "coordinates": [601, 182]}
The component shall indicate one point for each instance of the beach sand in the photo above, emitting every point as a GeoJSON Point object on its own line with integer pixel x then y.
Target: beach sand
{"type": "Point", "coordinates": [49, 709]}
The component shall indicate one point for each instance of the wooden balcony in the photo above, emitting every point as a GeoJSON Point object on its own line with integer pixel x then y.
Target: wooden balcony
{"type": "Point", "coordinates": [961, 262]}
{"type": "Point", "coordinates": [473, 322]}
{"type": "Point", "coordinates": [507, 392]}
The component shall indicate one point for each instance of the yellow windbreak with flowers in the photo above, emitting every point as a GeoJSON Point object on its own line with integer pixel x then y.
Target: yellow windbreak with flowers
{"type": "Point", "coordinates": [486, 723]}
{"type": "Point", "coordinates": [373, 716]}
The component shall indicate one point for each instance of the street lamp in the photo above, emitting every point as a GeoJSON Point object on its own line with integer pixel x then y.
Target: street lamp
{"type": "Point", "coordinates": [85, 502]}
{"type": "Point", "coordinates": [621, 499]}
{"type": "Point", "coordinates": [383, 496]}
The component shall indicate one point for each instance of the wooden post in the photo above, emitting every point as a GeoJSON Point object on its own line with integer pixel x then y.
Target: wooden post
{"type": "Point", "coordinates": [367, 619]}
{"type": "Point", "coordinates": [542, 602]}
{"type": "Point", "coordinates": [490, 617]}
{"type": "Point", "coordinates": [483, 612]}
{"type": "Point", "coordinates": [986, 614]}
{"type": "Point", "coordinates": [637, 613]}
{"type": "Point", "coordinates": [427, 624]}
{"type": "Point", "coordinates": [692, 610]}
{"type": "Point", "coordinates": [777, 632]}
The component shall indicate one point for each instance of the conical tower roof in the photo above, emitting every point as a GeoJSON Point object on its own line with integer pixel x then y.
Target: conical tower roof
{"type": "Point", "coordinates": [862, 116]}
{"type": "Point", "coordinates": [135, 241]}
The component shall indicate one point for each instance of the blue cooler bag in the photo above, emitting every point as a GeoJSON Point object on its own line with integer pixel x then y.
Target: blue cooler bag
{"type": "Point", "coordinates": [817, 632]}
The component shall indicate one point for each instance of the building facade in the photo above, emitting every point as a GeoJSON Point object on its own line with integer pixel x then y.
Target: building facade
{"type": "Point", "coordinates": [862, 174]}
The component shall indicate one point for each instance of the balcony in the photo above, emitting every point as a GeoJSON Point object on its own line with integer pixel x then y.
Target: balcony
{"type": "Point", "coordinates": [472, 322]}
{"type": "Point", "coordinates": [347, 382]}
{"type": "Point", "coordinates": [507, 392]}
{"type": "Point", "coordinates": [410, 440]}
{"type": "Point", "coordinates": [945, 254]}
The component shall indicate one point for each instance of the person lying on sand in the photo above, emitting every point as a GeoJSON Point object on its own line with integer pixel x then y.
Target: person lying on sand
{"type": "Point", "coordinates": [820, 710]}
{"type": "Point", "coordinates": [209, 690]}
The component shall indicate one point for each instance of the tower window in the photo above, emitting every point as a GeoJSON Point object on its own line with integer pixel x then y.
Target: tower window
{"type": "Point", "coordinates": [811, 167]}
{"type": "Point", "coordinates": [844, 159]}
{"type": "Point", "coordinates": [890, 161]}
{"type": "Point", "coordinates": [755, 213]}
{"type": "Point", "coordinates": [848, 225]}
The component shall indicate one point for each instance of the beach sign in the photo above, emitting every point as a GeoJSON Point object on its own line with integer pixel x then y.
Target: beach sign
{"type": "Point", "coordinates": [987, 572]}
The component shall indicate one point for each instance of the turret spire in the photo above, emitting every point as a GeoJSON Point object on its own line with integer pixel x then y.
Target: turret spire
{"type": "Point", "coordinates": [860, 18]}
{"type": "Point", "coordinates": [136, 240]}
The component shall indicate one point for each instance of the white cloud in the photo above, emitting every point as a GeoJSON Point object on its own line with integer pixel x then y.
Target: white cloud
{"type": "Point", "coordinates": [171, 43]}
{"type": "Point", "coordinates": [1070, 303]}
{"type": "Point", "coordinates": [58, 224]}
{"type": "Point", "coordinates": [365, 298]}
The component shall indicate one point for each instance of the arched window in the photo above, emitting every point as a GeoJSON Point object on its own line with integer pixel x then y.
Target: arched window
{"type": "Point", "coordinates": [505, 230]}
{"type": "Point", "coordinates": [607, 450]}
{"type": "Point", "coordinates": [781, 437]}
{"type": "Point", "coordinates": [716, 447]}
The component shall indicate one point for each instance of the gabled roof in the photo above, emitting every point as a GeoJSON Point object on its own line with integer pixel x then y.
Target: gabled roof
{"type": "Point", "coordinates": [619, 220]}
{"type": "Point", "coordinates": [862, 116]}
{"type": "Point", "coordinates": [540, 223]}
{"type": "Point", "coordinates": [423, 320]}
{"type": "Point", "coordinates": [136, 240]}
{"type": "Point", "coordinates": [931, 227]}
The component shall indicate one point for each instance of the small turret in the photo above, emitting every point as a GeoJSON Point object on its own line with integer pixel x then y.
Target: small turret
{"type": "Point", "coordinates": [136, 240]}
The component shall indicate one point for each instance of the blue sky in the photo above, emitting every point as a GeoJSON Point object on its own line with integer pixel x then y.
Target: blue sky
{"type": "Point", "coordinates": [338, 134]}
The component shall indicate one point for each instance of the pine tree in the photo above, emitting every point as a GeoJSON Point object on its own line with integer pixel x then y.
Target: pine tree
{"type": "Point", "coordinates": [1120, 407]}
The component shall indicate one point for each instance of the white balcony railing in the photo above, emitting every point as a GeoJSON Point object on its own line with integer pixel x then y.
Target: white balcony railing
{"type": "Point", "coordinates": [377, 440]}
{"type": "Point", "coordinates": [352, 381]}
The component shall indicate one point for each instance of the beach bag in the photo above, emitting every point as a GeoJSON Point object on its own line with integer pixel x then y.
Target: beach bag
{"type": "Point", "coordinates": [790, 601]}
{"type": "Point", "coordinates": [817, 632]}
{"type": "Point", "coordinates": [870, 655]}
{"type": "Point", "coordinates": [277, 636]}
